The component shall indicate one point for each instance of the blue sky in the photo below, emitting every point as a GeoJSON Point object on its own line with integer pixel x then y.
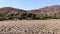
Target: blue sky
{"type": "Point", "coordinates": [28, 4]}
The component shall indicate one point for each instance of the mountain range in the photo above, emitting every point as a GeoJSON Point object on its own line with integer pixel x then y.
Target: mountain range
{"type": "Point", "coordinates": [10, 13]}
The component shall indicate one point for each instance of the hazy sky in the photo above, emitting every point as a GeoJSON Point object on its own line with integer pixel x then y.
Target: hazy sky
{"type": "Point", "coordinates": [28, 4]}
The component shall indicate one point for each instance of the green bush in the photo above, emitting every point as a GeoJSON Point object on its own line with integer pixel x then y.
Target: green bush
{"type": "Point", "coordinates": [2, 19]}
{"type": "Point", "coordinates": [11, 18]}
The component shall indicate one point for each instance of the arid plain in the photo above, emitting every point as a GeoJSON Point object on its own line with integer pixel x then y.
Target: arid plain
{"type": "Point", "coordinates": [51, 26]}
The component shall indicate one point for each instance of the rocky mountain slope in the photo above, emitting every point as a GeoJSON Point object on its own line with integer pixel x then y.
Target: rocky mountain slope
{"type": "Point", "coordinates": [10, 13]}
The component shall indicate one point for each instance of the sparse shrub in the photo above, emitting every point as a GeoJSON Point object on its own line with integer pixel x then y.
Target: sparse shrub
{"type": "Point", "coordinates": [23, 16]}
{"type": "Point", "coordinates": [31, 16]}
{"type": "Point", "coordinates": [1, 18]}
{"type": "Point", "coordinates": [11, 18]}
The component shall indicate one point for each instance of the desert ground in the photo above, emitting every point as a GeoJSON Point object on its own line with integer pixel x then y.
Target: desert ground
{"type": "Point", "coordinates": [51, 26]}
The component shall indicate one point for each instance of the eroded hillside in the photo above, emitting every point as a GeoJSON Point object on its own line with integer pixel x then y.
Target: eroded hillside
{"type": "Point", "coordinates": [49, 12]}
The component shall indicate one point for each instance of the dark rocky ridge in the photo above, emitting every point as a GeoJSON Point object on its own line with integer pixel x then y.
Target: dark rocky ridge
{"type": "Point", "coordinates": [8, 13]}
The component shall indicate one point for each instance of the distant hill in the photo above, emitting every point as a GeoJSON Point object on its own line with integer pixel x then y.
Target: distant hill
{"type": "Point", "coordinates": [49, 12]}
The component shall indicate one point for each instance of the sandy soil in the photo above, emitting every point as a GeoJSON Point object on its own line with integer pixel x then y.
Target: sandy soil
{"type": "Point", "coordinates": [51, 26]}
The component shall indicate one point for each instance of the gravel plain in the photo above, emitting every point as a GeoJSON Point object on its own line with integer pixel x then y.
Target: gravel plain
{"type": "Point", "coordinates": [51, 26]}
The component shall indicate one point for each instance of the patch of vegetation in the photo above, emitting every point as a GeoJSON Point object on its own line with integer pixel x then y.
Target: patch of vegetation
{"type": "Point", "coordinates": [2, 19]}
{"type": "Point", "coordinates": [31, 16]}
{"type": "Point", "coordinates": [11, 18]}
